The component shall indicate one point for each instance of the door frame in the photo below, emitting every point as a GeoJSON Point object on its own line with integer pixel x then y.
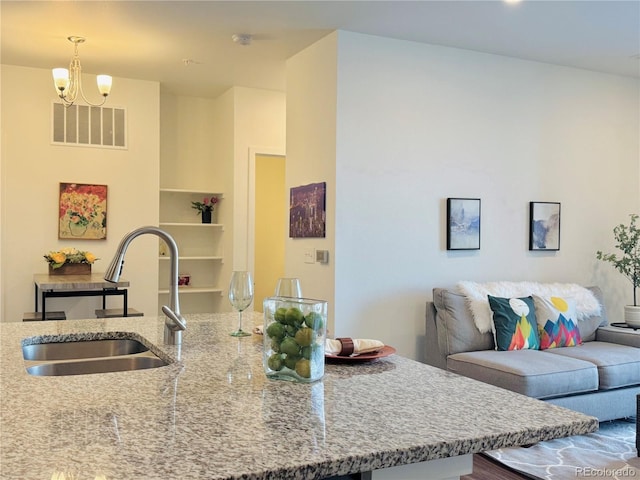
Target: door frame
{"type": "Point", "coordinates": [251, 199]}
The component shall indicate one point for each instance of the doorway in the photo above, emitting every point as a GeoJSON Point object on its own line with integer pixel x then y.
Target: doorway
{"type": "Point", "coordinates": [270, 225]}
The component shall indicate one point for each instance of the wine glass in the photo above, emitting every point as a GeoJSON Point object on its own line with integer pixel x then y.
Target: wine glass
{"type": "Point", "coordinates": [288, 287]}
{"type": "Point", "coordinates": [240, 296]}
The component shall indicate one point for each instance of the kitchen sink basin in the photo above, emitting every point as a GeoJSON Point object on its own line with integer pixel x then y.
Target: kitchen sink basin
{"type": "Point", "coordinates": [102, 365]}
{"type": "Point", "coordinates": [82, 349]}
{"type": "Point", "coordinates": [84, 357]}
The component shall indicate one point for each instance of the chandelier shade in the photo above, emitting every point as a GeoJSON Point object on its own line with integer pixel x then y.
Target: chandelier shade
{"type": "Point", "coordinates": [68, 82]}
{"type": "Point", "coordinates": [104, 84]}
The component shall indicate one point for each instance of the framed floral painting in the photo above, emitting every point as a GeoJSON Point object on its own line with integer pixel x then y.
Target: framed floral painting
{"type": "Point", "coordinates": [82, 212]}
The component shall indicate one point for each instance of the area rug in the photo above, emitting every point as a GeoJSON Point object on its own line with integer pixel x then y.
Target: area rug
{"type": "Point", "coordinates": [608, 453]}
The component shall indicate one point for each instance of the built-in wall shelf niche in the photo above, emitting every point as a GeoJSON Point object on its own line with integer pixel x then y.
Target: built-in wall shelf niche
{"type": "Point", "coordinates": [176, 207]}
{"type": "Point", "coordinates": [200, 250]}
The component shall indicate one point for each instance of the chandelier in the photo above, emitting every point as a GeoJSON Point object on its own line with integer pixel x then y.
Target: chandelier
{"type": "Point", "coordinates": [68, 83]}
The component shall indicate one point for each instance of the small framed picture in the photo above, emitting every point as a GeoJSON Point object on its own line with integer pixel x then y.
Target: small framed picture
{"type": "Point", "coordinates": [544, 226]}
{"type": "Point", "coordinates": [307, 211]}
{"type": "Point", "coordinates": [463, 224]}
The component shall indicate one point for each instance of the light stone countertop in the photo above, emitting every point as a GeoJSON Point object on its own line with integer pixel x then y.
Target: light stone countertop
{"type": "Point", "coordinates": [213, 414]}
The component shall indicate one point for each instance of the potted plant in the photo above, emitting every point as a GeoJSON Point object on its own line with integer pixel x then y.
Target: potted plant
{"type": "Point", "coordinates": [628, 238]}
{"type": "Point", "coordinates": [205, 208]}
{"type": "Point", "coordinates": [70, 261]}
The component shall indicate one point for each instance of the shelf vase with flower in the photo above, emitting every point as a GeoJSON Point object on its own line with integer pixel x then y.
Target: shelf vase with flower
{"type": "Point", "coordinates": [205, 208]}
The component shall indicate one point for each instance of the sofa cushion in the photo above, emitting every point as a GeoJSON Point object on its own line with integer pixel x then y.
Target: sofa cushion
{"type": "Point", "coordinates": [557, 324]}
{"type": "Point", "coordinates": [514, 323]}
{"type": "Point", "coordinates": [587, 302]}
{"type": "Point", "coordinates": [589, 325]}
{"type": "Point", "coordinates": [618, 365]}
{"type": "Point", "coordinates": [619, 335]}
{"type": "Point", "coordinates": [533, 373]}
{"type": "Point", "coordinates": [456, 330]}
{"type": "Point", "coordinates": [458, 333]}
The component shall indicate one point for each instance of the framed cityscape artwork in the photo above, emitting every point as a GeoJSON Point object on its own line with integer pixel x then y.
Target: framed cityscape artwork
{"type": "Point", "coordinates": [82, 212]}
{"type": "Point", "coordinates": [544, 226]}
{"type": "Point", "coordinates": [463, 224]}
{"type": "Point", "coordinates": [307, 213]}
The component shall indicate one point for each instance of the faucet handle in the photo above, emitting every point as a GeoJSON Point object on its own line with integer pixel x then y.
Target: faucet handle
{"type": "Point", "coordinates": [177, 321]}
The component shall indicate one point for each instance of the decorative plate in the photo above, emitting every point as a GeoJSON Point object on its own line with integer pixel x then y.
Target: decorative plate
{"type": "Point", "coordinates": [364, 357]}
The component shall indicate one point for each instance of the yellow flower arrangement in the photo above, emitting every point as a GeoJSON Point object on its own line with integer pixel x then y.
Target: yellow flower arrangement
{"type": "Point", "coordinates": [69, 255]}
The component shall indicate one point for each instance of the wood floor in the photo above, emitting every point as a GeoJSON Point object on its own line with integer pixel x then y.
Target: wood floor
{"type": "Point", "coordinates": [486, 469]}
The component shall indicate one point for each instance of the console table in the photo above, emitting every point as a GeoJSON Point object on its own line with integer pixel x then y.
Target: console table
{"type": "Point", "coordinates": [92, 285]}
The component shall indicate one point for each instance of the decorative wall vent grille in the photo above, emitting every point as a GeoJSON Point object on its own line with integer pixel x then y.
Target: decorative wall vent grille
{"type": "Point", "coordinates": [85, 126]}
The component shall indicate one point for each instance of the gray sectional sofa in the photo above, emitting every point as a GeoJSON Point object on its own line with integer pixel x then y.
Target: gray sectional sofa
{"type": "Point", "coordinates": [600, 378]}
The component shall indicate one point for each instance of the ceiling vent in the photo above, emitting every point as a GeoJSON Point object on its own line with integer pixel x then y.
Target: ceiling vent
{"type": "Point", "coordinates": [85, 126]}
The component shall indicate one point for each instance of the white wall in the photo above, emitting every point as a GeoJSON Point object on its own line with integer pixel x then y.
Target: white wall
{"type": "Point", "coordinates": [416, 124]}
{"type": "Point", "coordinates": [311, 154]}
{"type": "Point", "coordinates": [32, 170]}
{"type": "Point", "coordinates": [258, 124]}
{"type": "Point", "coordinates": [206, 145]}
{"type": "Point", "coordinates": [222, 137]}
{"type": "Point", "coordinates": [205, 142]}
{"type": "Point", "coordinates": [2, 200]}
{"type": "Point", "coordinates": [192, 157]}
{"type": "Point", "coordinates": [187, 153]}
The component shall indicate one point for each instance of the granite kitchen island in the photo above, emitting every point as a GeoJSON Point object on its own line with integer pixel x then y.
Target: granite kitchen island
{"type": "Point", "coordinates": [212, 413]}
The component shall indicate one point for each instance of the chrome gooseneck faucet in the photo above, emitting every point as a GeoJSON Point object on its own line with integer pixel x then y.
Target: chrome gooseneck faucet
{"type": "Point", "coordinates": [174, 323]}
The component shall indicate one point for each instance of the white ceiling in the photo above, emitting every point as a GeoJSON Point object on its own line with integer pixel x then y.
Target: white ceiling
{"type": "Point", "coordinates": [150, 39]}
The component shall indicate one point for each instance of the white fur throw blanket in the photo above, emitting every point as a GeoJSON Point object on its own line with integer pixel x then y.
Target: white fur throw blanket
{"type": "Point", "coordinates": [476, 293]}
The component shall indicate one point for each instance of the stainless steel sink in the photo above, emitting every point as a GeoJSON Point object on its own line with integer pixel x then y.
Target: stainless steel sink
{"type": "Point", "coordinates": [84, 357]}
{"type": "Point", "coordinates": [103, 365]}
{"type": "Point", "coordinates": [82, 349]}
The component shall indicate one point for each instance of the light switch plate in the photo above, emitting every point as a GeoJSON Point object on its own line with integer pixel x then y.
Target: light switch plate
{"type": "Point", "coordinates": [309, 255]}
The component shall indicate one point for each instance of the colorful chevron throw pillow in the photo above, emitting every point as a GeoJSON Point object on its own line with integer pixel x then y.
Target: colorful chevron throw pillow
{"type": "Point", "coordinates": [514, 322]}
{"type": "Point", "coordinates": [557, 324]}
